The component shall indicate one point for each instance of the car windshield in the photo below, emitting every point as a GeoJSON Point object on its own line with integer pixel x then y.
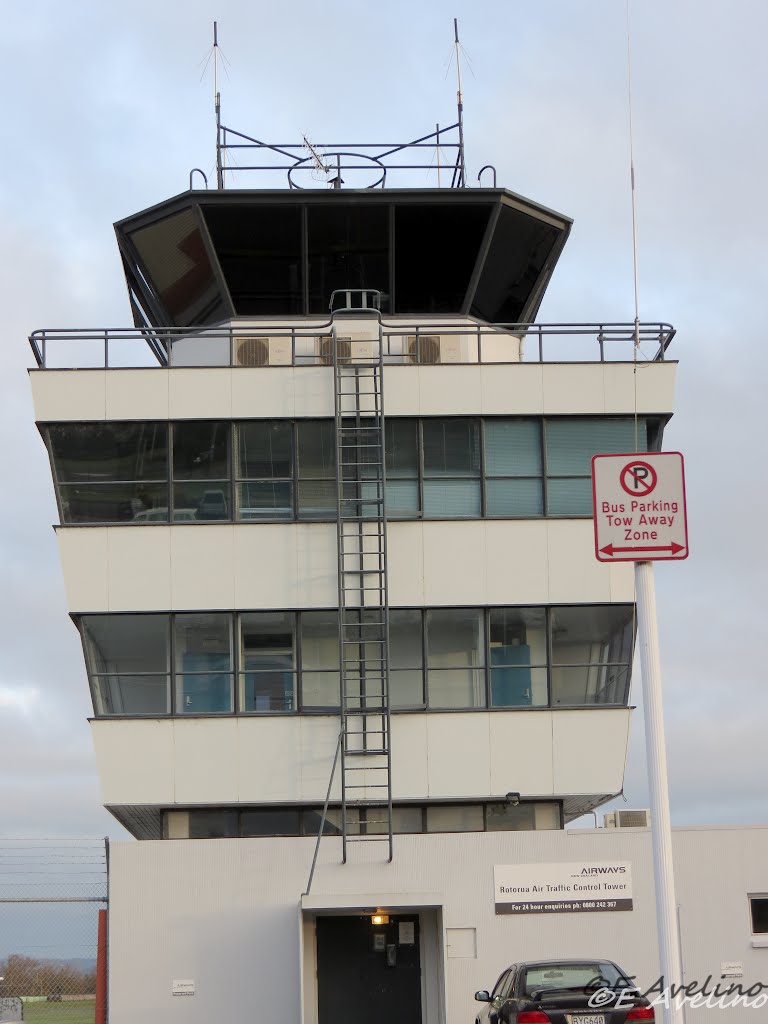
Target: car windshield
{"type": "Point", "coordinates": [598, 973]}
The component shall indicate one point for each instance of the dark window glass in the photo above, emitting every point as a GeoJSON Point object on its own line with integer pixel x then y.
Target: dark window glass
{"type": "Point", "coordinates": [128, 663]}
{"type": "Point", "coordinates": [348, 248]}
{"type": "Point", "coordinates": [507, 817]}
{"type": "Point", "coordinates": [259, 252]}
{"type": "Point", "coordinates": [436, 247]}
{"type": "Point", "coordinates": [518, 653]}
{"type": "Point", "coordinates": [502, 985]}
{"type": "Point", "coordinates": [316, 456]}
{"type": "Point", "coordinates": [455, 818]}
{"type": "Point", "coordinates": [264, 470]}
{"type": "Point", "coordinates": [759, 910]}
{"type": "Point", "coordinates": [201, 482]}
{"type": "Point", "coordinates": [203, 664]}
{"type": "Point", "coordinates": [176, 263]}
{"type": "Point", "coordinates": [519, 250]}
{"type": "Point", "coordinates": [455, 658]}
{"type": "Point", "coordinates": [111, 472]}
{"type": "Point", "coordinates": [570, 445]}
{"type": "Point", "coordinates": [278, 821]}
{"type": "Point", "coordinates": [212, 824]}
{"type": "Point", "coordinates": [451, 468]}
{"type": "Point", "coordinates": [267, 661]}
{"type": "Point", "coordinates": [591, 654]}
{"type": "Point", "coordinates": [312, 819]}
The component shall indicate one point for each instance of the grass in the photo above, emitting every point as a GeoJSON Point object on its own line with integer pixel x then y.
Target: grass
{"type": "Point", "coordinates": [78, 1011]}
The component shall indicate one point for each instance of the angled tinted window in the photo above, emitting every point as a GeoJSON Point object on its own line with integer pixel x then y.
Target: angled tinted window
{"type": "Point", "coordinates": [111, 472]}
{"type": "Point", "coordinates": [520, 247]}
{"type": "Point", "coordinates": [128, 661]}
{"type": "Point", "coordinates": [348, 248]}
{"type": "Point", "coordinates": [177, 265]}
{"type": "Point", "coordinates": [259, 252]}
{"type": "Point", "coordinates": [436, 247]}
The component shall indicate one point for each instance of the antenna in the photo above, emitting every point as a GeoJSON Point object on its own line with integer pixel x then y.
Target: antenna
{"type": "Point", "coordinates": [316, 159]}
{"type": "Point", "coordinates": [217, 107]}
{"type": "Point", "coordinates": [460, 104]}
{"type": "Point", "coordinates": [632, 187]}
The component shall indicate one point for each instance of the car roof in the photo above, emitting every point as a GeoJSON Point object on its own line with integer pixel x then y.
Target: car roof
{"type": "Point", "coordinates": [563, 962]}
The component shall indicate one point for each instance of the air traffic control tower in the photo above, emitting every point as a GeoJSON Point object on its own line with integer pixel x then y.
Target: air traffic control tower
{"type": "Point", "coordinates": [325, 526]}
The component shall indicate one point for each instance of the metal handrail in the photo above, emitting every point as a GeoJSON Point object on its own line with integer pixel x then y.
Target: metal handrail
{"type": "Point", "coordinates": [160, 341]}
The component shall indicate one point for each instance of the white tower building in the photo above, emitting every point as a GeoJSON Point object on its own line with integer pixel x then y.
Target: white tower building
{"type": "Point", "coordinates": [325, 527]}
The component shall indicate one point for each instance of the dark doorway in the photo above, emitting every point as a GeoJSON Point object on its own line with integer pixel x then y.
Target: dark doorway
{"type": "Point", "coordinates": [367, 971]}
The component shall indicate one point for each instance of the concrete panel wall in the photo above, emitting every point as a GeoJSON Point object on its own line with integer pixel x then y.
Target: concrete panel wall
{"type": "Point", "coordinates": [440, 756]}
{"type": "Point", "coordinates": [307, 391]}
{"type": "Point", "coordinates": [293, 565]}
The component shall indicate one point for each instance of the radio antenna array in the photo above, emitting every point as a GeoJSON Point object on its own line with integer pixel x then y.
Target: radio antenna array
{"type": "Point", "coordinates": [461, 166]}
{"type": "Point", "coordinates": [217, 107]}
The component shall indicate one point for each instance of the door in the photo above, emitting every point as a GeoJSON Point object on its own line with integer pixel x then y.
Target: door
{"type": "Point", "coordinates": [368, 972]}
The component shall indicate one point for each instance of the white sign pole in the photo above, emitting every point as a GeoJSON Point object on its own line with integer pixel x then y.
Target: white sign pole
{"type": "Point", "coordinates": [656, 754]}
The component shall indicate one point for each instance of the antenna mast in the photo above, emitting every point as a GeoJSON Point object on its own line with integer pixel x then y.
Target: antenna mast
{"type": "Point", "coordinates": [632, 186]}
{"type": "Point", "coordinates": [217, 106]}
{"type": "Point", "coordinates": [460, 104]}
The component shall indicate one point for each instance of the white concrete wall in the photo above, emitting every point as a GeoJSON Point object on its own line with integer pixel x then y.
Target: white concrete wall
{"type": "Point", "coordinates": [293, 565]}
{"type": "Point", "coordinates": [227, 914]}
{"type": "Point", "coordinates": [438, 756]}
{"type": "Point", "coordinates": [284, 391]}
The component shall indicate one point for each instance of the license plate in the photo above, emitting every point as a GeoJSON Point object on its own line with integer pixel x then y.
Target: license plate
{"type": "Point", "coordinates": [585, 1018]}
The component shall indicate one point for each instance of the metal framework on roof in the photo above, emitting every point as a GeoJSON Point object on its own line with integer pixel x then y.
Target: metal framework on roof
{"type": "Point", "coordinates": [329, 162]}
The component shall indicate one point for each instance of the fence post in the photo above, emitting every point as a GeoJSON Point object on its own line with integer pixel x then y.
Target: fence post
{"type": "Point", "coordinates": [101, 970]}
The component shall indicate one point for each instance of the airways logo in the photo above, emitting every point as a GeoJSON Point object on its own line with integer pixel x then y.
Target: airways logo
{"type": "Point", "coordinates": [614, 870]}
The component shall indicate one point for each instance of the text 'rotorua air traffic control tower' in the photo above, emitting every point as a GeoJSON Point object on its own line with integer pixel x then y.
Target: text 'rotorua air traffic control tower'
{"type": "Point", "coordinates": [325, 527]}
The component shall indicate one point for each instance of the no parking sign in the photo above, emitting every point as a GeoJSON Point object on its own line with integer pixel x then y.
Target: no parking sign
{"type": "Point", "coordinates": [639, 503]}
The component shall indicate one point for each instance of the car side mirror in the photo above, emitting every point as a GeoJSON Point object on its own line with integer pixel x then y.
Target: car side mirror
{"type": "Point", "coordinates": [482, 996]}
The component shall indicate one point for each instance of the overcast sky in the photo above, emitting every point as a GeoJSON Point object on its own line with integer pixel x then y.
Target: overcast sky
{"type": "Point", "coordinates": [105, 113]}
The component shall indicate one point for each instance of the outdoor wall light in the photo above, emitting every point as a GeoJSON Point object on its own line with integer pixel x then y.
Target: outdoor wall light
{"type": "Point", "coordinates": [513, 799]}
{"type": "Point", "coordinates": [380, 919]}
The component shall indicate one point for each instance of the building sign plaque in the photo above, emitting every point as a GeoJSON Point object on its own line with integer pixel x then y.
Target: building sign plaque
{"type": "Point", "coordinates": [589, 886]}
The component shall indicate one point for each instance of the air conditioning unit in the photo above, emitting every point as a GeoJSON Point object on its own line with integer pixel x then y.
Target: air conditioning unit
{"type": "Point", "coordinates": [430, 349]}
{"type": "Point", "coordinates": [343, 350]}
{"type": "Point", "coordinates": [262, 351]}
{"type": "Point", "coordinates": [628, 819]}
{"type": "Point", "coordinates": [350, 350]}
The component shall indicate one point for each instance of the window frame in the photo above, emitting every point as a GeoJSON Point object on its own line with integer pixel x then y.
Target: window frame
{"type": "Point", "coordinates": [752, 898]}
{"type": "Point", "coordinates": [654, 426]}
{"type": "Point", "coordinates": [301, 708]}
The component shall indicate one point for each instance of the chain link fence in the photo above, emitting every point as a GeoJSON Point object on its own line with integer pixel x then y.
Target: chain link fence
{"type": "Point", "coordinates": [51, 893]}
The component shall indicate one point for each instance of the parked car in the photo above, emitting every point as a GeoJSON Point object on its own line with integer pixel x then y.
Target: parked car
{"type": "Point", "coordinates": [559, 992]}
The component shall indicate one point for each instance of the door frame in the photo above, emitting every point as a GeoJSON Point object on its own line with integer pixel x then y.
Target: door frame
{"type": "Point", "coordinates": [431, 953]}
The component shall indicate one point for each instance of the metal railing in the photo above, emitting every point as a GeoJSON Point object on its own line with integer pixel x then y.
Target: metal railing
{"type": "Point", "coordinates": [280, 345]}
{"type": "Point", "coordinates": [334, 164]}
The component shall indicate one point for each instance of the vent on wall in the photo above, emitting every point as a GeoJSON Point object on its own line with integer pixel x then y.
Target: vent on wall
{"type": "Point", "coordinates": [430, 349]}
{"type": "Point", "coordinates": [627, 819]}
{"type": "Point", "coordinates": [258, 351]}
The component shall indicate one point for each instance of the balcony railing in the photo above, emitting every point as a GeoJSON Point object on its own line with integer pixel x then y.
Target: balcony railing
{"type": "Point", "coordinates": [266, 345]}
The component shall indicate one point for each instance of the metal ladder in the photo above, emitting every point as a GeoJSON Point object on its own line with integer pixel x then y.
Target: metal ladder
{"type": "Point", "coordinates": [366, 774]}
